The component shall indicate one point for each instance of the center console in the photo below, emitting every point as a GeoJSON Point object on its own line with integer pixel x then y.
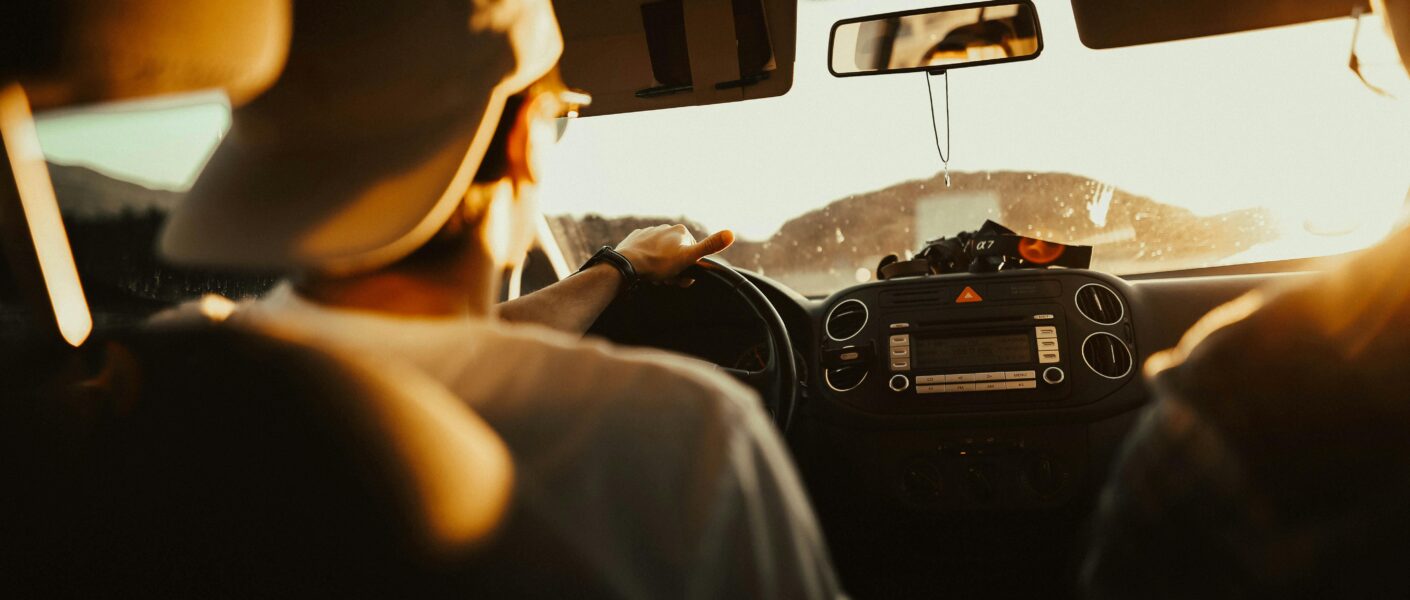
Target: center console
{"type": "Point", "coordinates": [969, 391]}
{"type": "Point", "coordinates": [976, 343]}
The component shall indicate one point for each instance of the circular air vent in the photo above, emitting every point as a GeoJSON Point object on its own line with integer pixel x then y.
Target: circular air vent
{"type": "Point", "coordinates": [845, 379]}
{"type": "Point", "coordinates": [846, 320]}
{"type": "Point", "coordinates": [1099, 304]}
{"type": "Point", "coordinates": [1106, 355]}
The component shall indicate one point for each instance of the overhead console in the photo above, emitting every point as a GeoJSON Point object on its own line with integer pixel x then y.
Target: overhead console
{"type": "Point", "coordinates": [977, 343]}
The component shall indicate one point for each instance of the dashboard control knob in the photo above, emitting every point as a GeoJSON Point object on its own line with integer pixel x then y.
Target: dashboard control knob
{"type": "Point", "coordinates": [921, 482]}
{"type": "Point", "coordinates": [900, 383]}
{"type": "Point", "coordinates": [1043, 475]}
{"type": "Point", "coordinates": [981, 483]}
{"type": "Point", "coordinates": [1053, 376]}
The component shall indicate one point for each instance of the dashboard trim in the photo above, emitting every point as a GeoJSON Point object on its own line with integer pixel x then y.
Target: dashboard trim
{"type": "Point", "coordinates": [1083, 351]}
{"type": "Point", "coordinates": [1119, 302]}
{"type": "Point", "coordinates": [827, 321]}
{"type": "Point", "coordinates": [828, 380]}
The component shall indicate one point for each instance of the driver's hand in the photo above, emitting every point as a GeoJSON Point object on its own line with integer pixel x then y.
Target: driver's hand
{"type": "Point", "coordinates": [660, 253]}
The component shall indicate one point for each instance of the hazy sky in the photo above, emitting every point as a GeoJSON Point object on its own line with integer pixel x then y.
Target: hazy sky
{"type": "Point", "coordinates": [1270, 118]}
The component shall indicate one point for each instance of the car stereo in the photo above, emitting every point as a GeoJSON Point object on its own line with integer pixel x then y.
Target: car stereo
{"type": "Point", "coordinates": [976, 342]}
{"type": "Point", "coordinates": [1016, 350]}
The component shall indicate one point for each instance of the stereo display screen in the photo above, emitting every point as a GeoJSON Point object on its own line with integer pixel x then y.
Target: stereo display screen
{"type": "Point", "coordinates": [947, 352]}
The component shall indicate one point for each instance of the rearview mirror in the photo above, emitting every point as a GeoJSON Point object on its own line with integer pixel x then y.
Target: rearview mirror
{"type": "Point", "coordinates": [936, 39]}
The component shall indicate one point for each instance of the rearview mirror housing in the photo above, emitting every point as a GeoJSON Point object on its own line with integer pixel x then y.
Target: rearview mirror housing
{"type": "Point", "coordinates": [936, 39]}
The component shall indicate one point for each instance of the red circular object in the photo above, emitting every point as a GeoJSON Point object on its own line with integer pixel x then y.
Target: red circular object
{"type": "Point", "coordinates": [1039, 251]}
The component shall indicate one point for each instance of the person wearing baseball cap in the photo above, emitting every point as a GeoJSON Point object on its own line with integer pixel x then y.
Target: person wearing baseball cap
{"type": "Point", "coordinates": [210, 461]}
{"type": "Point", "coordinates": [1275, 460]}
{"type": "Point", "coordinates": [389, 172]}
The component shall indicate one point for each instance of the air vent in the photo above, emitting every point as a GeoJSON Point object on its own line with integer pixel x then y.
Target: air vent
{"type": "Point", "coordinates": [1099, 304]}
{"type": "Point", "coordinates": [846, 320]}
{"type": "Point", "coordinates": [1106, 355]}
{"type": "Point", "coordinates": [845, 379]}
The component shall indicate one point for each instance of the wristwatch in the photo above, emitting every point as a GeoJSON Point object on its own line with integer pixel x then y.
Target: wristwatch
{"type": "Point", "coordinates": [607, 254]}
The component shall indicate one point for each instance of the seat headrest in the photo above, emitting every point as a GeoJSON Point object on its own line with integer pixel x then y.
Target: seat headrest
{"type": "Point", "coordinates": [203, 460]}
{"type": "Point", "coordinates": [69, 52]}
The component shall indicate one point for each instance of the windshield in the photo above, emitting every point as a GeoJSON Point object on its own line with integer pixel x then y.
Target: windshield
{"type": "Point", "coordinates": [1241, 148]}
{"type": "Point", "coordinates": [1233, 149]}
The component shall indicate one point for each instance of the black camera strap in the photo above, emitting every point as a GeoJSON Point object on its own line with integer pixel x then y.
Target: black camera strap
{"type": "Point", "coordinates": [992, 248]}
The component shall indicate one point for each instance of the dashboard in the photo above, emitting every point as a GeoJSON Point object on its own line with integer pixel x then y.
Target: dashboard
{"type": "Point", "coordinates": [941, 418]}
{"type": "Point", "coordinates": [1003, 370]}
{"type": "Point", "coordinates": [1039, 367]}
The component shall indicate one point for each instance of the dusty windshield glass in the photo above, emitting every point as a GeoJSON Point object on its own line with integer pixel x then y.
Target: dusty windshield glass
{"type": "Point", "coordinates": [1233, 149]}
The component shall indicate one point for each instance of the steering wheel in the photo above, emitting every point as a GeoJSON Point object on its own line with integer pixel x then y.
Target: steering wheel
{"type": "Point", "coordinates": [777, 381]}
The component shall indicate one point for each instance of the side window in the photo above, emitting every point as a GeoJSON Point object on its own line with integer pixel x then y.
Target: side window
{"type": "Point", "coordinates": [118, 170]}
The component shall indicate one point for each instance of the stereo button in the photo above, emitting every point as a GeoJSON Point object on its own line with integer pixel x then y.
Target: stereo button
{"type": "Point", "coordinates": [899, 383]}
{"type": "Point", "coordinates": [1046, 358]}
{"type": "Point", "coordinates": [1047, 344]}
{"type": "Point", "coordinates": [900, 352]}
{"type": "Point", "coordinates": [957, 387]}
{"type": "Point", "coordinates": [1046, 331]}
{"type": "Point", "coordinates": [929, 379]}
{"type": "Point", "coordinates": [900, 364]}
{"type": "Point", "coordinates": [900, 325]}
{"type": "Point", "coordinates": [989, 376]}
{"type": "Point", "coordinates": [956, 377]}
{"type": "Point", "coordinates": [1021, 385]}
{"type": "Point", "coordinates": [1042, 317]}
{"type": "Point", "coordinates": [1020, 375]}
{"type": "Point", "coordinates": [991, 386]}
{"type": "Point", "coordinates": [928, 389]}
{"type": "Point", "coordinates": [903, 339]}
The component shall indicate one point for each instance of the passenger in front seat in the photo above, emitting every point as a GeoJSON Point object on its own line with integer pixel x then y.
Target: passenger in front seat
{"type": "Point", "coordinates": [391, 171]}
{"type": "Point", "coordinates": [1275, 462]}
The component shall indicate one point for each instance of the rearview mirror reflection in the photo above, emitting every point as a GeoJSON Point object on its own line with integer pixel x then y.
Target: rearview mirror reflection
{"type": "Point", "coordinates": [936, 39]}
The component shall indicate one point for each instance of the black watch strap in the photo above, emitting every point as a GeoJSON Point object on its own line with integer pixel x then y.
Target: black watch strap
{"type": "Point", "coordinates": [607, 254]}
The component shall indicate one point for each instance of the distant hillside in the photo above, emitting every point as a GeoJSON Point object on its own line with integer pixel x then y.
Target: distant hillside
{"type": "Point", "coordinates": [85, 193]}
{"type": "Point", "coordinates": [823, 248]}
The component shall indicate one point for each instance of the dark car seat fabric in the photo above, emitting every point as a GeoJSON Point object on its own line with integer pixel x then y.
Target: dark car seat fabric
{"type": "Point", "coordinates": [1275, 462]}
{"type": "Point", "coordinates": [203, 462]}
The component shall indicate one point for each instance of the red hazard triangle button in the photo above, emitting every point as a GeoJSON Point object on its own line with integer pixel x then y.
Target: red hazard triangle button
{"type": "Point", "coordinates": [968, 295]}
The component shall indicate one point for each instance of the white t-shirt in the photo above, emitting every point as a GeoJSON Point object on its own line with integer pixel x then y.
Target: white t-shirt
{"type": "Point", "coordinates": [662, 474]}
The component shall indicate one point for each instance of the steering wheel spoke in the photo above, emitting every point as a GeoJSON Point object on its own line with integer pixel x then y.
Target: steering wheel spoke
{"type": "Point", "coordinates": [758, 380]}
{"type": "Point", "coordinates": [777, 382]}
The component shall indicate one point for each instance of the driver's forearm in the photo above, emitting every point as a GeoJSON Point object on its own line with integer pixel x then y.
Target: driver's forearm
{"type": "Point", "coordinates": [571, 305]}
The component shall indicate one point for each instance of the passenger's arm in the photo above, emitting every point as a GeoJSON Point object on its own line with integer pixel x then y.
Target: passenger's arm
{"type": "Point", "coordinates": [658, 254]}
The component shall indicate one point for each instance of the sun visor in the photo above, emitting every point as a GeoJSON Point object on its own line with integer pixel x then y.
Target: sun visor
{"type": "Point", "coordinates": [635, 55]}
{"type": "Point", "coordinates": [1119, 23]}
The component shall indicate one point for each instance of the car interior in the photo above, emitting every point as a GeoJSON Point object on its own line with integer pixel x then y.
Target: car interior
{"type": "Point", "coordinates": [944, 299]}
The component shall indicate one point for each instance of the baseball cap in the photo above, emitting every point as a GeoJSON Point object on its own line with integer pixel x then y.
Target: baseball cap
{"type": "Point", "coordinates": [369, 139]}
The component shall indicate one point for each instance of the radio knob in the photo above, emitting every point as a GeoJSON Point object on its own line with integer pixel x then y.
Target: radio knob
{"type": "Point", "coordinates": [1053, 376]}
{"type": "Point", "coordinates": [899, 383]}
{"type": "Point", "coordinates": [1043, 475]}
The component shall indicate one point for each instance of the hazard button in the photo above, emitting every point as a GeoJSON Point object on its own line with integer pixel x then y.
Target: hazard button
{"type": "Point", "coordinates": [968, 295]}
